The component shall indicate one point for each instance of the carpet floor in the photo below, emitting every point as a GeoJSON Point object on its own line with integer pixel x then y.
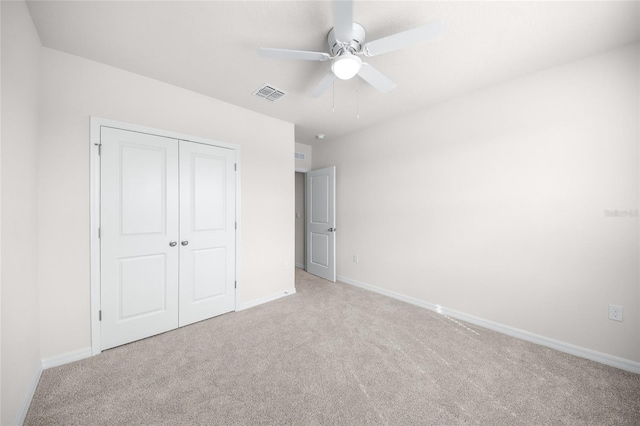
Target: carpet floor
{"type": "Point", "coordinates": [334, 354]}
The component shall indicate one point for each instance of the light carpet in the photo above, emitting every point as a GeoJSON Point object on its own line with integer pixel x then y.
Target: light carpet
{"type": "Point", "coordinates": [334, 354]}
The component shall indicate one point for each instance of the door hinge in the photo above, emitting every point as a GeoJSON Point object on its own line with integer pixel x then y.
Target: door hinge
{"type": "Point", "coordinates": [235, 167]}
{"type": "Point", "coordinates": [236, 225]}
{"type": "Point", "coordinates": [99, 148]}
{"type": "Point", "coordinates": [99, 233]}
{"type": "Point", "coordinates": [100, 315]}
{"type": "Point", "coordinates": [235, 284]}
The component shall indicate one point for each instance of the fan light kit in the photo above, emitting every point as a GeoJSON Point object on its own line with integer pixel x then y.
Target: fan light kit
{"type": "Point", "coordinates": [346, 44]}
{"type": "Point", "coordinates": [346, 66]}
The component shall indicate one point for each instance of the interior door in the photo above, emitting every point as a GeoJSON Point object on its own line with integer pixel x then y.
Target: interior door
{"type": "Point", "coordinates": [321, 223]}
{"type": "Point", "coordinates": [207, 231]}
{"type": "Point", "coordinates": [139, 229]}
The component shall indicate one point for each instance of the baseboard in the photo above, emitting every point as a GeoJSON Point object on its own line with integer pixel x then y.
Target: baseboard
{"type": "Point", "coordinates": [266, 299]}
{"type": "Point", "coordinates": [300, 265]}
{"type": "Point", "coordinates": [66, 358]}
{"type": "Point", "coordinates": [603, 358]}
{"type": "Point", "coordinates": [31, 390]}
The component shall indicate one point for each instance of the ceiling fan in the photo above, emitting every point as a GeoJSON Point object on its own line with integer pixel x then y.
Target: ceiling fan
{"type": "Point", "coordinates": [346, 44]}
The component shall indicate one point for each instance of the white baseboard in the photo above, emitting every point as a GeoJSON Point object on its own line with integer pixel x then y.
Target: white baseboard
{"type": "Point", "coordinates": [603, 358]}
{"type": "Point", "coordinates": [31, 390]}
{"type": "Point", "coordinates": [266, 299]}
{"type": "Point", "coordinates": [62, 359]}
{"type": "Point", "coordinates": [300, 265]}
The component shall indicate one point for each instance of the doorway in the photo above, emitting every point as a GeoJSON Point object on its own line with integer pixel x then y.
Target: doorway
{"type": "Point", "coordinates": [315, 229]}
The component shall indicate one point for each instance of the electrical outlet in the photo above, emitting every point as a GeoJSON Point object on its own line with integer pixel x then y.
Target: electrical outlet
{"type": "Point", "coordinates": [355, 258]}
{"type": "Point", "coordinates": [615, 312]}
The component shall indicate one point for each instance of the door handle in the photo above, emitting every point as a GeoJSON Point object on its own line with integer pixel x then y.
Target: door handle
{"type": "Point", "coordinates": [332, 229]}
{"type": "Point", "coordinates": [172, 243]}
{"type": "Point", "coordinates": [185, 243]}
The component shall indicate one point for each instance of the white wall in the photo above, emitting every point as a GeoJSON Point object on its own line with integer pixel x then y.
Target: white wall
{"type": "Point", "coordinates": [493, 204]}
{"type": "Point", "coordinates": [74, 89]}
{"type": "Point", "coordinates": [303, 165]}
{"type": "Point", "coordinates": [21, 363]}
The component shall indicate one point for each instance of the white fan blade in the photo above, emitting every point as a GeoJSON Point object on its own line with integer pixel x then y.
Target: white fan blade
{"type": "Point", "coordinates": [323, 85]}
{"type": "Point", "coordinates": [404, 39]}
{"type": "Point", "coordinates": [343, 20]}
{"type": "Point", "coordinates": [375, 78]}
{"type": "Point", "coordinates": [294, 54]}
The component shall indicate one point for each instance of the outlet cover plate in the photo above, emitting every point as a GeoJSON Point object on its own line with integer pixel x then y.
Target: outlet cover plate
{"type": "Point", "coordinates": [615, 312]}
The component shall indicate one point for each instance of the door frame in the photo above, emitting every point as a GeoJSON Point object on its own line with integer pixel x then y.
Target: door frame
{"type": "Point", "coordinates": [303, 170]}
{"type": "Point", "coordinates": [96, 123]}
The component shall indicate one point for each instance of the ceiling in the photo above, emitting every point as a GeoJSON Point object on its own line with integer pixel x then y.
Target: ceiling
{"type": "Point", "coordinates": [211, 47]}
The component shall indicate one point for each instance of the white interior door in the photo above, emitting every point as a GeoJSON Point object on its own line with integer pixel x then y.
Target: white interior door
{"type": "Point", "coordinates": [139, 222]}
{"type": "Point", "coordinates": [167, 244]}
{"type": "Point", "coordinates": [321, 223]}
{"type": "Point", "coordinates": [207, 231]}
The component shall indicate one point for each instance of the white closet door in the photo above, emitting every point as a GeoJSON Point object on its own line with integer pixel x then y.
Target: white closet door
{"type": "Point", "coordinates": [139, 220]}
{"type": "Point", "coordinates": [207, 231]}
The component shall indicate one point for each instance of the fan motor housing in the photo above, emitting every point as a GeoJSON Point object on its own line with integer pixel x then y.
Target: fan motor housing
{"type": "Point", "coordinates": [355, 45]}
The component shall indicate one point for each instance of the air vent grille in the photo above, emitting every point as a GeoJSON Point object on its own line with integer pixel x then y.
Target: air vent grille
{"type": "Point", "coordinates": [300, 156]}
{"type": "Point", "coordinates": [269, 93]}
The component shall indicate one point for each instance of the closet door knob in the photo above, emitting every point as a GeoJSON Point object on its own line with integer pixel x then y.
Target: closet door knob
{"type": "Point", "coordinates": [185, 243]}
{"type": "Point", "coordinates": [172, 243]}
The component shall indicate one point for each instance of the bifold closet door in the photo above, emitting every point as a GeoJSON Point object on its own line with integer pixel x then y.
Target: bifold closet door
{"type": "Point", "coordinates": [139, 224]}
{"type": "Point", "coordinates": [207, 231]}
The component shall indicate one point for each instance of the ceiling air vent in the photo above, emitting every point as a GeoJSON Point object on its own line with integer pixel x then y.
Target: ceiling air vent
{"type": "Point", "coordinates": [269, 93]}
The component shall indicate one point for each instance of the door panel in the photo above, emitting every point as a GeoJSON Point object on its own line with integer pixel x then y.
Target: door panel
{"type": "Point", "coordinates": [142, 189]}
{"type": "Point", "coordinates": [208, 192]}
{"type": "Point", "coordinates": [142, 286]}
{"type": "Point", "coordinates": [207, 226]}
{"type": "Point", "coordinates": [139, 217]}
{"type": "Point", "coordinates": [320, 249]}
{"type": "Point", "coordinates": [209, 271]}
{"type": "Point", "coordinates": [320, 208]}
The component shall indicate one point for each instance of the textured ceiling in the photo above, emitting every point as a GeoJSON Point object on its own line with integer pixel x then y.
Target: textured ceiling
{"type": "Point", "coordinates": [211, 47]}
